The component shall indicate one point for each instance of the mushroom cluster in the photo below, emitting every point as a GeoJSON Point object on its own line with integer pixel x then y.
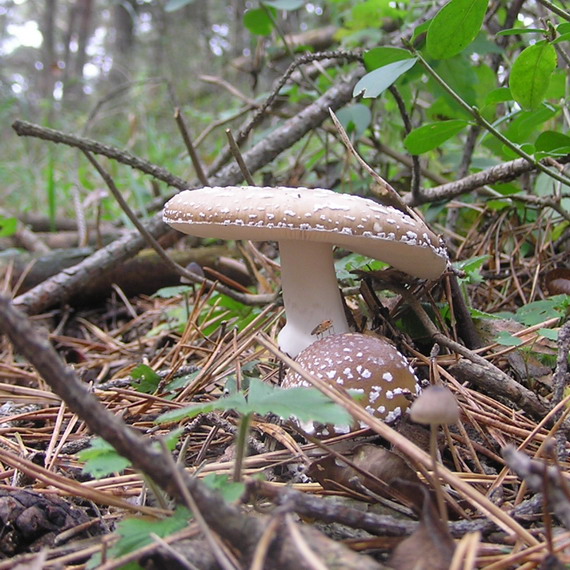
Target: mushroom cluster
{"type": "Point", "coordinates": [307, 223]}
{"type": "Point", "coordinates": [370, 368]}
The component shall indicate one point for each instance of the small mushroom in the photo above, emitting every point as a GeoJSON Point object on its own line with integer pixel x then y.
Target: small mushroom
{"type": "Point", "coordinates": [307, 223]}
{"type": "Point", "coordinates": [370, 368]}
{"type": "Point", "coordinates": [436, 406]}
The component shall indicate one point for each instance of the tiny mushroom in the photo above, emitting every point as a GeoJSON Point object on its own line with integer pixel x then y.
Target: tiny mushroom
{"type": "Point", "coordinates": [436, 406]}
{"type": "Point", "coordinates": [307, 223]}
{"type": "Point", "coordinates": [370, 368]}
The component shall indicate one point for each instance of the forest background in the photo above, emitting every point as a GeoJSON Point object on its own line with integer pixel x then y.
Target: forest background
{"type": "Point", "coordinates": [460, 106]}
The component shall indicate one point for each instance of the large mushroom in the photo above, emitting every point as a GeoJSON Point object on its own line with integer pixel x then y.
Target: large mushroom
{"type": "Point", "coordinates": [307, 223]}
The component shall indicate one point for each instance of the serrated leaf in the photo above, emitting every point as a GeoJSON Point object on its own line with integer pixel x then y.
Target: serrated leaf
{"type": "Point", "coordinates": [454, 27]}
{"type": "Point", "coordinates": [377, 81]}
{"type": "Point", "coordinates": [135, 532]}
{"type": "Point", "coordinates": [258, 22]}
{"type": "Point", "coordinates": [306, 404]}
{"type": "Point", "coordinates": [230, 490]}
{"type": "Point", "coordinates": [530, 74]}
{"type": "Point", "coordinates": [101, 459]}
{"type": "Point", "coordinates": [287, 5]}
{"type": "Point", "coordinates": [432, 135]}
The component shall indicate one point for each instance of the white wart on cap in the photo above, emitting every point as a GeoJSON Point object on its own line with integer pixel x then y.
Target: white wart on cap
{"type": "Point", "coordinates": [307, 223]}
{"type": "Point", "coordinates": [372, 369]}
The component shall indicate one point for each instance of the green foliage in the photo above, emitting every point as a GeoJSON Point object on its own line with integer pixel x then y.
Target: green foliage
{"type": "Point", "coordinates": [355, 118]}
{"type": "Point", "coordinates": [454, 27]}
{"type": "Point", "coordinates": [148, 379]}
{"type": "Point", "coordinates": [376, 82]}
{"type": "Point", "coordinates": [101, 458]}
{"type": "Point", "coordinates": [431, 135]}
{"type": "Point", "coordinates": [8, 226]}
{"type": "Point", "coordinates": [173, 5]}
{"type": "Point", "coordinates": [530, 74]}
{"type": "Point", "coordinates": [305, 404]}
{"type": "Point", "coordinates": [259, 21]}
{"type": "Point", "coordinates": [135, 533]}
{"type": "Point", "coordinates": [230, 490]}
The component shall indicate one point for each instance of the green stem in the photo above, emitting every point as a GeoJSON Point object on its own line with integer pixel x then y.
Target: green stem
{"type": "Point", "coordinates": [553, 8]}
{"type": "Point", "coordinates": [475, 113]}
{"type": "Point", "coordinates": [241, 446]}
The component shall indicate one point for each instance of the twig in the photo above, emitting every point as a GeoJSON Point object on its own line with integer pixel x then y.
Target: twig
{"type": "Point", "coordinates": [416, 167]}
{"type": "Point", "coordinates": [181, 123]}
{"type": "Point", "coordinates": [476, 114]}
{"type": "Point", "coordinates": [25, 129]}
{"type": "Point", "coordinates": [504, 172]}
{"type": "Point", "coordinates": [234, 148]}
{"type": "Point", "coordinates": [245, 298]}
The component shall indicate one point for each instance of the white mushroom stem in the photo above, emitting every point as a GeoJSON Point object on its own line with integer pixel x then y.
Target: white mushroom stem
{"type": "Point", "coordinates": [310, 293]}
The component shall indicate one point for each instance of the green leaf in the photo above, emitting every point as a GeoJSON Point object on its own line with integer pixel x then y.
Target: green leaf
{"type": "Point", "coordinates": [553, 143]}
{"type": "Point", "coordinates": [500, 95]}
{"type": "Point", "coordinates": [148, 379]}
{"type": "Point", "coordinates": [377, 81]}
{"type": "Point", "coordinates": [101, 459]}
{"type": "Point", "coordinates": [230, 490]}
{"type": "Point", "coordinates": [135, 532]}
{"type": "Point", "coordinates": [530, 74]}
{"type": "Point", "coordinates": [454, 27]}
{"type": "Point", "coordinates": [355, 118]}
{"type": "Point", "coordinates": [258, 22]}
{"type": "Point", "coordinates": [539, 311]}
{"type": "Point", "coordinates": [304, 403]}
{"type": "Point", "coordinates": [8, 226]}
{"type": "Point", "coordinates": [170, 292]}
{"type": "Point", "coordinates": [549, 334]}
{"type": "Point", "coordinates": [507, 339]}
{"type": "Point", "coordinates": [520, 31]}
{"type": "Point", "coordinates": [381, 56]}
{"type": "Point", "coordinates": [430, 136]}
{"type": "Point", "coordinates": [287, 5]}
{"type": "Point", "coordinates": [173, 5]}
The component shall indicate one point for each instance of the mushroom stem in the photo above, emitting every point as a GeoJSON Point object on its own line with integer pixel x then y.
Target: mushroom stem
{"type": "Point", "coordinates": [310, 293]}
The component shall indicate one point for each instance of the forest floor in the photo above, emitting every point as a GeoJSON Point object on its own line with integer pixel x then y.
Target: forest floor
{"type": "Point", "coordinates": [143, 357]}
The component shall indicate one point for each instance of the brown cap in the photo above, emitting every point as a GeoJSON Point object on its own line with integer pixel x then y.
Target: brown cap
{"type": "Point", "coordinates": [436, 406]}
{"type": "Point", "coordinates": [352, 222]}
{"type": "Point", "coordinates": [371, 368]}
{"type": "Point", "coordinates": [306, 223]}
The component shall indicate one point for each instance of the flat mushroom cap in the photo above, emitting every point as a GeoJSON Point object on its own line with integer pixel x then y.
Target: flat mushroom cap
{"type": "Point", "coordinates": [365, 365]}
{"type": "Point", "coordinates": [352, 222]}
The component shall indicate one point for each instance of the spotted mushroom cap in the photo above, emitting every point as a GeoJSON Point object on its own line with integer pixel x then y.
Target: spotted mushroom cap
{"type": "Point", "coordinates": [362, 364]}
{"type": "Point", "coordinates": [352, 222]}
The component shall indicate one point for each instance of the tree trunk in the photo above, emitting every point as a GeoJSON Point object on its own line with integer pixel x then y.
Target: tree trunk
{"type": "Point", "coordinates": [49, 57]}
{"type": "Point", "coordinates": [124, 41]}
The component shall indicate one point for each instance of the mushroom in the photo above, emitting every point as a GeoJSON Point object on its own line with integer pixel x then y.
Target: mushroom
{"type": "Point", "coordinates": [436, 406]}
{"type": "Point", "coordinates": [369, 367]}
{"type": "Point", "coordinates": [306, 223]}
